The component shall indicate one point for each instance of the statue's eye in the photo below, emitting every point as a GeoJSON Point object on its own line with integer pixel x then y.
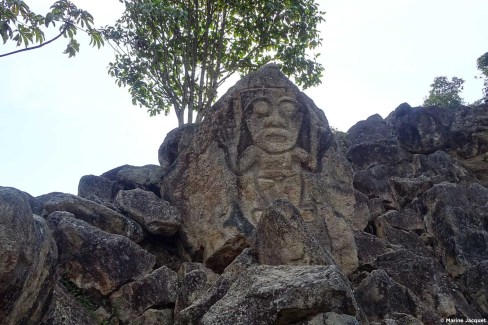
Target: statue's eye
{"type": "Point", "coordinates": [261, 108]}
{"type": "Point", "coordinates": [288, 107]}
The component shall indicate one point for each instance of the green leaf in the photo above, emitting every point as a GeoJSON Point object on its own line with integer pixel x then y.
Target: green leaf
{"type": "Point", "coordinates": [72, 48]}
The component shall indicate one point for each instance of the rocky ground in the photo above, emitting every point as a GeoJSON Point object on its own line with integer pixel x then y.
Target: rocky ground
{"type": "Point", "coordinates": [262, 215]}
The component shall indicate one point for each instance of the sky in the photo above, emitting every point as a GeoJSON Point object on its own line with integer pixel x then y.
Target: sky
{"type": "Point", "coordinates": [62, 118]}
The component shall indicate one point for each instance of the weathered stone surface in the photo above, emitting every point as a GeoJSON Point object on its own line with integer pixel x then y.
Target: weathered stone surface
{"type": "Point", "coordinates": [422, 130]}
{"type": "Point", "coordinates": [457, 216]}
{"type": "Point", "coordinates": [330, 318]}
{"type": "Point", "coordinates": [424, 277]}
{"type": "Point", "coordinates": [94, 259]}
{"type": "Point", "coordinates": [66, 310]}
{"type": "Point", "coordinates": [95, 214]}
{"type": "Point", "coordinates": [195, 279]}
{"type": "Point", "coordinates": [154, 317]}
{"type": "Point", "coordinates": [263, 140]}
{"type": "Point", "coordinates": [36, 205]}
{"type": "Point", "coordinates": [166, 250]}
{"type": "Point", "coordinates": [174, 143]}
{"type": "Point", "coordinates": [282, 238]}
{"type": "Point", "coordinates": [469, 131]}
{"type": "Point", "coordinates": [193, 313]}
{"type": "Point", "coordinates": [399, 237]}
{"type": "Point", "coordinates": [28, 257]}
{"type": "Point", "coordinates": [156, 289]}
{"type": "Point", "coordinates": [283, 295]}
{"type": "Point", "coordinates": [370, 247]}
{"type": "Point", "coordinates": [400, 203]}
{"type": "Point", "coordinates": [374, 183]}
{"type": "Point", "coordinates": [96, 186]}
{"type": "Point", "coordinates": [156, 215]}
{"type": "Point", "coordinates": [475, 280]}
{"type": "Point", "coordinates": [128, 177]}
{"type": "Point", "coordinates": [379, 296]}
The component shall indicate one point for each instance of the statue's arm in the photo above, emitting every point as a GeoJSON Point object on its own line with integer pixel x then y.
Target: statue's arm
{"type": "Point", "coordinates": [247, 160]}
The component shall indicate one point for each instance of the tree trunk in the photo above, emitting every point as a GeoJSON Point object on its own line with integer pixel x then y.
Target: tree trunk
{"type": "Point", "coordinates": [181, 121]}
{"type": "Point", "coordinates": [190, 115]}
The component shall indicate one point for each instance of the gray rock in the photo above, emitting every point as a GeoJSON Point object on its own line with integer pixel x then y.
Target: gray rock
{"type": "Point", "coordinates": [374, 183]}
{"type": "Point", "coordinates": [154, 317]}
{"type": "Point", "coordinates": [95, 214]}
{"type": "Point", "coordinates": [282, 238]}
{"type": "Point", "coordinates": [283, 295]}
{"type": "Point", "coordinates": [195, 279]}
{"type": "Point", "coordinates": [193, 313]}
{"type": "Point", "coordinates": [422, 130]}
{"type": "Point", "coordinates": [66, 310]}
{"type": "Point", "coordinates": [28, 257]}
{"type": "Point", "coordinates": [469, 132]}
{"type": "Point", "coordinates": [263, 140]}
{"type": "Point", "coordinates": [457, 216]}
{"type": "Point", "coordinates": [426, 279]}
{"type": "Point", "coordinates": [475, 280]}
{"type": "Point", "coordinates": [174, 143]}
{"type": "Point", "coordinates": [379, 296]}
{"type": "Point", "coordinates": [370, 247]}
{"type": "Point", "coordinates": [155, 289]}
{"type": "Point", "coordinates": [96, 186]}
{"type": "Point", "coordinates": [330, 318]}
{"type": "Point", "coordinates": [374, 128]}
{"type": "Point", "coordinates": [94, 259]}
{"type": "Point", "coordinates": [128, 177]}
{"type": "Point", "coordinates": [156, 215]}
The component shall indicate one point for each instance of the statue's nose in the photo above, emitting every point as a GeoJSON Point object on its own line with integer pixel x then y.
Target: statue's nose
{"type": "Point", "coordinates": [275, 119]}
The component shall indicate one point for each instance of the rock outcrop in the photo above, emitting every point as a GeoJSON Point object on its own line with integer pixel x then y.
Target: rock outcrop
{"type": "Point", "coordinates": [261, 214]}
{"type": "Point", "coordinates": [28, 258]}
{"type": "Point", "coordinates": [263, 140]}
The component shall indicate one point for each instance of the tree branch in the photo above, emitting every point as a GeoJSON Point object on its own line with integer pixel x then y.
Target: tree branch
{"type": "Point", "coordinates": [37, 46]}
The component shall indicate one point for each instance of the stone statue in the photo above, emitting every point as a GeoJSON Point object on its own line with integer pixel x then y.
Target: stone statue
{"type": "Point", "coordinates": [272, 166]}
{"type": "Point", "coordinates": [263, 141]}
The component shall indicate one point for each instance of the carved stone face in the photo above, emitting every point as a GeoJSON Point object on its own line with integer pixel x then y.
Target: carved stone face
{"type": "Point", "coordinates": [274, 120]}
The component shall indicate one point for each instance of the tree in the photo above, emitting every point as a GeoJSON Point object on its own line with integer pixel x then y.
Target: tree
{"type": "Point", "coordinates": [176, 53]}
{"type": "Point", "coordinates": [445, 93]}
{"type": "Point", "coordinates": [482, 65]}
{"type": "Point", "coordinates": [18, 23]}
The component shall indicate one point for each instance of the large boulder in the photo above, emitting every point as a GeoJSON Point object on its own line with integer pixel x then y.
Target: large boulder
{"type": "Point", "coordinates": [457, 215]}
{"type": "Point", "coordinates": [95, 214]}
{"type": "Point", "coordinates": [156, 215]}
{"type": "Point", "coordinates": [195, 279]}
{"type": "Point", "coordinates": [422, 130]}
{"type": "Point", "coordinates": [96, 260]}
{"type": "Point", "coordinates": [28, 258]}
{"type": "Point", "coordinates": [156, 289]}
{"type": "Point", "coordinates": [127, 177]}
{"type": "Point", "coordinates": [263, 140]}
{"type": "Point", "coordinates": [193, 313]}
{"type": "Point", "coordinates": [282, 238]}
{"type": "Point", "coordinates": [283, 295]}
{"type": "Point", "coordinates": [174, 143]}
{"type": "Point", "coordinates": [91, 186]}
{"type": "Point", "coordinates": [67, 310]}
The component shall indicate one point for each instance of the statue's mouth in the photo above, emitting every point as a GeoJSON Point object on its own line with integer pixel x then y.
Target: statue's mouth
{"type": "Point", "coordinates": [276, 135]}
{"type": "Point", "coordinates": [276, 138]}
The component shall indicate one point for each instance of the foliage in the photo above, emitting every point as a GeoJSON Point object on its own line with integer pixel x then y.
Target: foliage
{"type": "Point", "coordinates": [176, 53]}
{"type": "Point", "coordinates": [78, 294]}
{"type": "Point", "coordinates": [89, 303]}
{"type": "Point", "coordinates": [24, 27]}
{"type": "Point", "coordinates": [482, 65]}
{"type": "Point", "coordinates": [445, 93]}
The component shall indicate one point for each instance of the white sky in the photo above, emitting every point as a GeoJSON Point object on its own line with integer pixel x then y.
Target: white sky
{"type": "Point", "coordinates": [64, 118]}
